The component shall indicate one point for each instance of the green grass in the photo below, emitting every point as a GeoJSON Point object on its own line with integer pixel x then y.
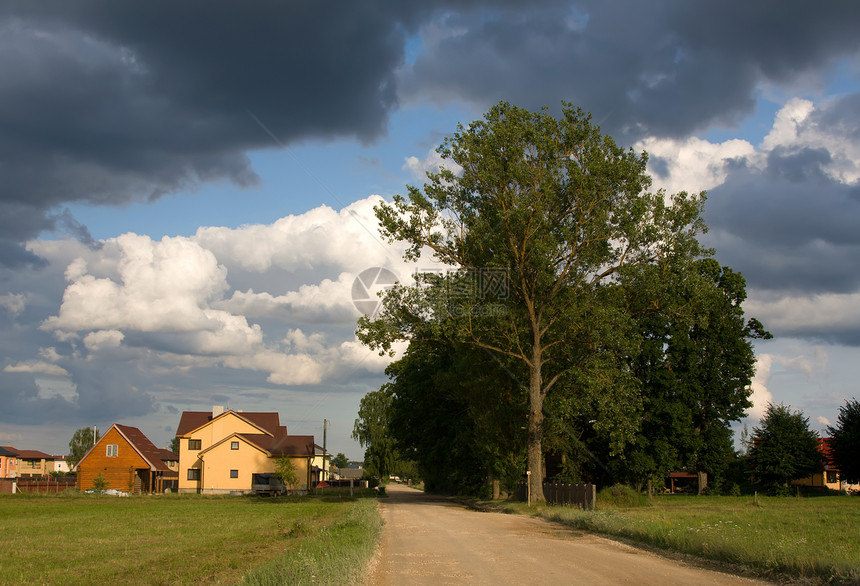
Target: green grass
{"type": "Point", "coordinates": [816, 539]}
{"type": "Point", "coordinates": [173, 539]}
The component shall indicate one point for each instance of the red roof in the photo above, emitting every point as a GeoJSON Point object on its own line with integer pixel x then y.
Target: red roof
{"type": "Point", "coordinates": [144, 447]}
{"type": "Point", "coordinates": [34, 455]}
{"type": "Point", "coordinates": [266, 421]}
{"type": "Point", "coordinates": [285, 445]}
{"type": "Point", "coordinates": [826, 451]}
{"type": "Point", "coordinates": [165, 454]}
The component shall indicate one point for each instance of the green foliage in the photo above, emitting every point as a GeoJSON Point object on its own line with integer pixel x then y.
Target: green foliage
{"type": "Point", "coordinates": [845, 441]}
{"type": "Point", "coordinates": [174, 445]}
{"type": "Point", "coordinates": [459, 416]}
{"type": "Point", "coordinates": [100, 482]}
{"type": "Point", "coordinates": [340, 461]}
{"type": "Point", "coordinates": [695, 364]}
{"type": "Point", "coordinates": [372, 431]}
{"type": "Point", "coordinates": [544, 214]}
{"type": "Point", "coordinates": [784, 448]}
{"type": "Point", "coordinates": [286, 471]}
{"type": "Point", "coordinates": [81, 442]}
{"type": "Point", "coordinates": [620, 496]}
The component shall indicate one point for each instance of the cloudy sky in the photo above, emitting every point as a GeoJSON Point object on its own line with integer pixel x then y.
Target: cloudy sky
{"type": "Point", "coordinates": [188, 187]}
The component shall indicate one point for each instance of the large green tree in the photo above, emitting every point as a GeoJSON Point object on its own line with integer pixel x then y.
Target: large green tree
{"type": "Point", "coordinates": [540, 217]}
{"type": "Point", "coordinates": [340, 460]}
{"type": "Point", "coordinates": [459, 416]}
{"type": "Point", "coordinates": [372, 432]}
{"type": "Point", "coordinates": [695, 363]}
{"type": "Point", "coordinates": [845, 441]}
{"type": "Point", "coordinates": [82, 440]}
{"type": "Point", "coordinates": [783, 448]}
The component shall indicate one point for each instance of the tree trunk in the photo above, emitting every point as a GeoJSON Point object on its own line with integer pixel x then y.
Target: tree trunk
{"type": "Point", "coordinates": [535, 450]}
{"type": "Point", "coordinates": [703, 481]}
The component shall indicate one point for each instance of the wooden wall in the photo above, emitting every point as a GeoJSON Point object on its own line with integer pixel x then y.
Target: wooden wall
{"type": "Point", "coordinates": [119, 471]}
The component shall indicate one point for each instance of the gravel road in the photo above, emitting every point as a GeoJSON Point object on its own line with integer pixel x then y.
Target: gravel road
{"type": "Point", "coordinates": [432, 540]}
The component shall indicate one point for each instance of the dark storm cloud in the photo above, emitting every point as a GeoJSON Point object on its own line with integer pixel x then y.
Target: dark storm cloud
{"type": "Point", "coordinates": [110, 102]}
{"type": "Point", "coordinates": [104, 393]}
{"type": "Point", "coordinates": [666, 67]}
{"type": "Point", "coordinates": [22, 404]}
{"type": "Point", "coordinates": [789, 227]}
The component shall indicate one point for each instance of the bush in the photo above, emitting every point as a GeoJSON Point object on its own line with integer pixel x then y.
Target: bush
{"type": "Point", "coordinates": [620, 496]}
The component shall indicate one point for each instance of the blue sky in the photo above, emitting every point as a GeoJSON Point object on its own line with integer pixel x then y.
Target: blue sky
{"type": "Point", "coordinates": [185, 208]}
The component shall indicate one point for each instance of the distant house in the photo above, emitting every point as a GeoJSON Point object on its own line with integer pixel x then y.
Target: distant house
{"type": "Point", "coordinates": [830, 476]}
{"type": "Point", "coordinates": [126, 459]}
{"type": "Point", "coordinates": [60, 464]}
{"type": "Point", "coordinates": [220, 451]}
{"type": "Point", "coordinates": [8, 462]}
{"type": "Point", "coordinates": [34, 463]}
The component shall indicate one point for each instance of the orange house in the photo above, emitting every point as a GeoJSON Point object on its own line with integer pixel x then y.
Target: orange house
{"type": "Point", "coordinates": [126, 460]}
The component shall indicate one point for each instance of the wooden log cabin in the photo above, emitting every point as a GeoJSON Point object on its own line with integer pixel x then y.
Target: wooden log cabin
{"type": "Point", "coordinates": [126, 460]}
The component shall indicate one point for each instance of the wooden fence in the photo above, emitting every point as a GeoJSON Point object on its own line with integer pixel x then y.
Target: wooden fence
{"type": "Point", "coordinates": [578, 495]}
{"type": "Point", "coordinates": [45, 484]}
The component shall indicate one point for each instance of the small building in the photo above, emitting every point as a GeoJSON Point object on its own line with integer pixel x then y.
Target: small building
{"type": "Point", "coordinates": [125, 460]}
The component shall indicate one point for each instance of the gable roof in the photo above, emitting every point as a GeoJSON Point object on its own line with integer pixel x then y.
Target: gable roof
{"type": "Point", "coordinates": [267, 422]}
{"type": "Point", "coordinates": [142, 445]}
{"type": "Point", "coordinates": [138, 442]}
{"type": "Point", "coordinates": [165, 454]}
{"type": "Point", "coordinates": [284, 445]}
{"type": "Point", "coordinates": [8, 451]}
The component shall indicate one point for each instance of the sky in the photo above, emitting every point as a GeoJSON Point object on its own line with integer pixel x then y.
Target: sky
{"type": "Point", "coordinates": [188, 188]}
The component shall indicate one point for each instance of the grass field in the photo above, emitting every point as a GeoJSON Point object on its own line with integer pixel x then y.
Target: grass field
{"type": "Point", "coordinates": [173, 539]}
{"type": "Point", "coordinates": [816, 539]}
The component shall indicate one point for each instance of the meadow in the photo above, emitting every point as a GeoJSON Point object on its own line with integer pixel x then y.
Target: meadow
{"type": "Point", "coordinates": [815, 540]}
{"type": "Point", "coordinates": [183, 539]}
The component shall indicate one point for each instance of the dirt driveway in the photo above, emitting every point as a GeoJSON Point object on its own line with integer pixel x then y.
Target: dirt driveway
{"type": "Point", "coordinates": [431, 540]}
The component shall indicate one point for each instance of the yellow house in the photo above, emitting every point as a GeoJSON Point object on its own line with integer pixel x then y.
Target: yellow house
{"type": "Point", "coordinates": [220, 451]}
{"type": "Point", "coordinates": [830, 477]}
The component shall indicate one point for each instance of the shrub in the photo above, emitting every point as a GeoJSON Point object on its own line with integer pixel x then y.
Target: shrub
{"type": "Point", "coordinates": [620, 496]}
{"type": "Point", "coordinates": [100, 482]}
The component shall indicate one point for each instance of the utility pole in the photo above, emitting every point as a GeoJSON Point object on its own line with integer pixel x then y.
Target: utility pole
{"type": "Point", "coordinates": [325, 470]}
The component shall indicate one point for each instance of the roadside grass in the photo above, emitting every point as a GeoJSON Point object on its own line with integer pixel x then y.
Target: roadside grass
{"type": "Point", "coordinates": [183, 539]}
{"type": "Point", "coordinates": [815, 539]}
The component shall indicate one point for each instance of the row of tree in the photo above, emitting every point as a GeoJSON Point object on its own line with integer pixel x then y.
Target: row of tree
{"type": "Point", "coordinates": [784, 448]}
{"type": "Point", "coordinates": [581, 319]}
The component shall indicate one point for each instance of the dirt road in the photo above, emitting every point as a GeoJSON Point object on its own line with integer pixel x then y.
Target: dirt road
{"type": "Point", "coordinates": [431, 540]}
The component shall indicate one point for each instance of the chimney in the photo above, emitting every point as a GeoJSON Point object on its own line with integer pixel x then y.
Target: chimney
{"type": "Point", "coordinates": [217, 410]}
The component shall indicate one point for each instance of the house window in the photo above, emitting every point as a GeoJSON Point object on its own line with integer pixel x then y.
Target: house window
{"type": "Point", "coordinates": [234, 474]}
{"type": "Point", "coordinates": [831, 477]}
{"type": "Point", "coordinates": [112, 450]}
{"type": "Point", "coordinates": [194, 474]}
{"type": "Point", "coordinates": [194, 444]}
{"type": "Point", "coordinates": [234, 445]}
